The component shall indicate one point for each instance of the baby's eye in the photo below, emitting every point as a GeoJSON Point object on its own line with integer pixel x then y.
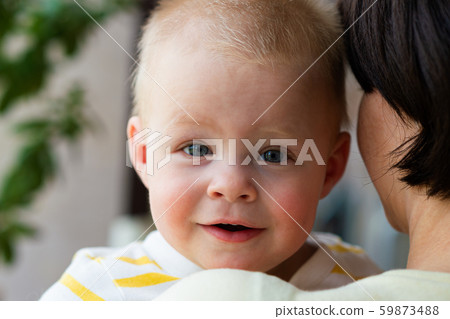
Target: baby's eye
{"type": "Point", "coordinates": [197, 150]}
{"type": "Point", "coordinates": [273, 156]}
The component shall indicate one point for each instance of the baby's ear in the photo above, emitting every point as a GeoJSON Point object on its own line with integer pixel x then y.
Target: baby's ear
{"type": "Point", "coordinates": [136, 148]}
{"type": "Point", "coordinates": [336, 163]}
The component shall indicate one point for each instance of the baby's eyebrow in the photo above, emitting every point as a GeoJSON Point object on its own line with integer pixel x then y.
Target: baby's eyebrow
{"type": "Point", "coordinates": [278, 129]}
{"type": "Point", "coordinates": [179, 119]}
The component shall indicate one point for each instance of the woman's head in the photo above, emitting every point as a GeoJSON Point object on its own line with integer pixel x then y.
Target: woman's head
{"type": "Point", "coordinates": [400, 51]}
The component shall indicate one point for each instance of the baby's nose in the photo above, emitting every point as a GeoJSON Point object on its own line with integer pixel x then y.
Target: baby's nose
{"type": "Point", "coordinates": [232, 184]}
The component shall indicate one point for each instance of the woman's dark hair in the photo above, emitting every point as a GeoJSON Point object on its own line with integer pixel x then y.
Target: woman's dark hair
{"type": "Point", "coordinates": [402, 49]}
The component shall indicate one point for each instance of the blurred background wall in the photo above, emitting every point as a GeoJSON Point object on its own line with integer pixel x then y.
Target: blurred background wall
{"type": "Point", "coordinates": [89, 201]}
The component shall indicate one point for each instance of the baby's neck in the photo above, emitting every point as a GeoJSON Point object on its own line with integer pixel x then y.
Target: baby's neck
{"type": "Point", "coordinates": [289, 267]}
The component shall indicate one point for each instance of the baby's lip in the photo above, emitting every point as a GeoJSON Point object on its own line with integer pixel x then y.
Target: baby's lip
{"type": "Point", "coordinates": [233, 222]}
{"type": "Point", "coordinates": [232, 232]}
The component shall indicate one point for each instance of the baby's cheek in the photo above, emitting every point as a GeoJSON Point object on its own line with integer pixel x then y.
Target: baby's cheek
{"type": "Point", "coordinates": [163, 204]}
{"type": "Point", "coordinates": [294, 222]}
{"type": "Point", "coordinates": [170, 200]}
{"type": "Point", "coordinates": [299, 205]}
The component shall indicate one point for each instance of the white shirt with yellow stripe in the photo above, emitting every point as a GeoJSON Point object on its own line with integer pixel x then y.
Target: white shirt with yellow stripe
{"type": "Point", "coordinates": [334, 264]}
{"type": "Point", "coordinates": [139, 271]}
{"type": "Point", "coordinates": [143, 270]}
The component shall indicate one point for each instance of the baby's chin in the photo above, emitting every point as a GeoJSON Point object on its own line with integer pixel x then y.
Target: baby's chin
{"type": "Point", "coordinates": [234, 263]}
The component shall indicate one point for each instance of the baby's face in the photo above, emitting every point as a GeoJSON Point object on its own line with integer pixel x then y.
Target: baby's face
{"type": "Point", "coordinates": [225, 98]}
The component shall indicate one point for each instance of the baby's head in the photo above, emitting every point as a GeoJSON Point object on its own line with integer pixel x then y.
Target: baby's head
{"type": "Point", "coordinates": [220, 70]}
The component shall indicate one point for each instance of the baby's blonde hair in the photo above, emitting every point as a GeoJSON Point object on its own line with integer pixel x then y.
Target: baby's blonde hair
{"type": "Point", "coordinates": [267, 32]}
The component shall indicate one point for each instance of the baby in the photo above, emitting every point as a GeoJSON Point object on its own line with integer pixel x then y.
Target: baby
{"type": "Point", "coordinates": [246, 150]}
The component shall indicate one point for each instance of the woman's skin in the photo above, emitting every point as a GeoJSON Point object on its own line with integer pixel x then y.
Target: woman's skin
{"type": "Point", "coordinates": [425, 219]}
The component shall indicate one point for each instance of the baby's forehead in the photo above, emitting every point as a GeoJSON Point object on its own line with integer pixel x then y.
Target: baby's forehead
{"type": "Point", "coordinates": [211, 86]}
{"type": "Point", "coordinates": [248, 121]}
{"type": "Point", "coordinates": [199, 59]}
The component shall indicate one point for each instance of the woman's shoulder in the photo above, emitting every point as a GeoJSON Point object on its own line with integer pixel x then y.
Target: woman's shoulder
{"type": "Point", "coordinates": [233, 284]}
{"type": "Point", "coordinates": [401, 284]}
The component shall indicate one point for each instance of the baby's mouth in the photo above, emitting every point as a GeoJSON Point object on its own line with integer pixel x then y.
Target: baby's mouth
{"type": "Point", "coordinates": [231, 227]}
{"type": "Point", "coordinates": [232, 233]}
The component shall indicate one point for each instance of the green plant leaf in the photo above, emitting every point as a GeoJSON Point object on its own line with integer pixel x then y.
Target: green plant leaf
{"type": "Point", "coordinates": [10, 232]}
{"type": "Point", "coordinates": [25, 76]}
{"type": "Point", "coordinates": [33, 166]}
{"type": "Point", "coordinates": [8, 13]}
{"type": "Point", "coordinates": [34, 127]}
{"type": "Point", "coordinates": [6, 248]}
{"type": "Point", "coordinates": [20, 229]}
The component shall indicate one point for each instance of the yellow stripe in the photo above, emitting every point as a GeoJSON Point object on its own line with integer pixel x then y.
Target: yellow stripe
{"type": "Point", "coordinates": [346, 249]}
{"type": "Point", "coordinates": [338, 270]}
{"type": "Point", "coordinates": [140, 261]}
{"type": "Point", "coordinates": [144, 280]}
{"type": "Point", "coordinates": [78, 289]}
{"type": "Point", "coordinates": [97, 259]}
